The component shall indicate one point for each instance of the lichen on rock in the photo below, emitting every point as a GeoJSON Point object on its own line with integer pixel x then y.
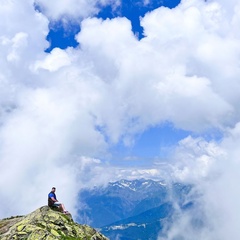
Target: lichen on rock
{"type": "Point", "coordinates": [46, 224]}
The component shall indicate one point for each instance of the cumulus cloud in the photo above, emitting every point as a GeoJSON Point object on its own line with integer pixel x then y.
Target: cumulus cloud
{"type": "Point", "coordinates": [166, 71]}
{"type": "Point", "coordinates": [212, 168]}
{"type": "Point", "coordinates": [54, 61]}
{"type": "Point", "coordinates": [60, 112]}
{"type": "Point", "coordinates": [74, 9]}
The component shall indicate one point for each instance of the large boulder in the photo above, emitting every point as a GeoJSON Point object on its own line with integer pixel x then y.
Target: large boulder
{"type": "Point", "coordinates": [46, 224]}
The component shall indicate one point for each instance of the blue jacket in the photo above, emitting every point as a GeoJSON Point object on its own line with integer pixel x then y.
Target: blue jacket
{"type": "Point", "coordinates": [50, 201]}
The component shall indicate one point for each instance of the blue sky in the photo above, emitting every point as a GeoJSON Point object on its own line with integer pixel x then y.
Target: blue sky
{"type": "Point", "coordinates": [93, 91]}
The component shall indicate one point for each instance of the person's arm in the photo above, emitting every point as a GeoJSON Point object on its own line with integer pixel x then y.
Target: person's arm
{"type": "Point", "coordinates": [51, 195]}
{"type": "Point", "coordinates": [54, 200]}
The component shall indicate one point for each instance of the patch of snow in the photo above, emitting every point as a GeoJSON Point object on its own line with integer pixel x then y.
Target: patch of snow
{"type": "Point", "coordinates": [125, 226]}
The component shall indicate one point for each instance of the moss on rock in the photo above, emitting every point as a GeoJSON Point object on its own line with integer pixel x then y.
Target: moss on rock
{"type": "Point", "coordinates": [46, 224]}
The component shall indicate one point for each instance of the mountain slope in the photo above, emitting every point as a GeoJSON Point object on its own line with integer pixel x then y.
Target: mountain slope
{"type": "Point", "coordinates": [46, 224]}
{"type": "Point", "coordinates": [143, 226]}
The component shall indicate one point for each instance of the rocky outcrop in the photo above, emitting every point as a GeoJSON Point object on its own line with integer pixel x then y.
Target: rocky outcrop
{"type": "Point", "coordinates": [46, 224]}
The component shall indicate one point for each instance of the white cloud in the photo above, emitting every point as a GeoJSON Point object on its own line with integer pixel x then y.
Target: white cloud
{"type": "Point", "coordinates": [163, 69]}
{"type": "Point", "coordinates": [195, 159]}
{"type": "Point", "coordinates": [53, 61]}
{"type": "Point", "coordinates": [73, 9]}
{"type": "Point", "coordinates": [19, 43]}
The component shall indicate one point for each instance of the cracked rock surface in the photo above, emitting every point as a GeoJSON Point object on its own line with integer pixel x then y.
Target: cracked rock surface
{"type": "Point", "coordinates": [46, 224]}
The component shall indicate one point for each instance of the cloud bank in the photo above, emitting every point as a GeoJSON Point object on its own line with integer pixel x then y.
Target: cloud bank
{"type": "Point", "coordinates": [60, 112]}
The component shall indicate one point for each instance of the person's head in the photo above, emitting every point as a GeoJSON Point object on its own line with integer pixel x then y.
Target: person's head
{"type": "Point", "coordinates": [53, 189]}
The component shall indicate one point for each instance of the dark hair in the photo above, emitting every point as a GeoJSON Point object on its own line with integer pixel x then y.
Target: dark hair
{"type": "Point", "coordinates": [53, 188]}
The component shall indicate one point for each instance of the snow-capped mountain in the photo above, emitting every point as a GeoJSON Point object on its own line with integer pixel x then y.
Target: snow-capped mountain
{"type": "Point", "coordinates": [125, 208]}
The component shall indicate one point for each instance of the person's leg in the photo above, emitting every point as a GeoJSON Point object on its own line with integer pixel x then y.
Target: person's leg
{"type": "Point", "coordinates": [63, 207]}
{"type": "Point", "coordinates": [60, 206]}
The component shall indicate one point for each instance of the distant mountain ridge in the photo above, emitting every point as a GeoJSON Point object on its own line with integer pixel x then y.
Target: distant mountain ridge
{"type": "Point", "coordinates": [130, 210]}
{"type": "Point", "coordinates": [119, 200]}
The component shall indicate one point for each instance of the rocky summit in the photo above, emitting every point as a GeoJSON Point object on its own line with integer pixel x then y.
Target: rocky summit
{"type": "Point", "coordinates": [47, 224]}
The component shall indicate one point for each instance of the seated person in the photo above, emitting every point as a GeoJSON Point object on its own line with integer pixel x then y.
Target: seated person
{"type": "Point", "coordinates": [53, 202]}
